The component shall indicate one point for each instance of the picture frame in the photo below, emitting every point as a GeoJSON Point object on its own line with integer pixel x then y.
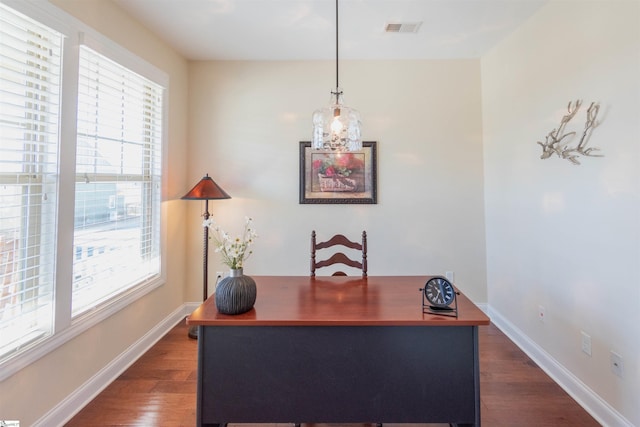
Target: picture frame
{"type": "Point", "coordinates": [330, 177]}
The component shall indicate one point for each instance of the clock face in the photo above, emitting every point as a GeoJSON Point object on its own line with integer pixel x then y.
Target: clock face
{"type": "Point", "coordinates": [439, 292]}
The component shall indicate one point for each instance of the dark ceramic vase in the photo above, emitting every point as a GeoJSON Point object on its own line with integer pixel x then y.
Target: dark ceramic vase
{"type": "Point", "coordinates": [236, 293]}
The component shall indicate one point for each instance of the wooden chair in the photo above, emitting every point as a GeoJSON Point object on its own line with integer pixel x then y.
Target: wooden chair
{"type": "Point", "coordinates": [339, 257]}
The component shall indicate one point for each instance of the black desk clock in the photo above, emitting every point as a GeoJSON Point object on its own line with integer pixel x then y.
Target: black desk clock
{"type": "Point", "coordinates": [439, 297]}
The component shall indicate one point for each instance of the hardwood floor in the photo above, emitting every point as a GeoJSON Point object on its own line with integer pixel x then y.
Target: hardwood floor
{"type": "Point", "coordinates": [160, 389]}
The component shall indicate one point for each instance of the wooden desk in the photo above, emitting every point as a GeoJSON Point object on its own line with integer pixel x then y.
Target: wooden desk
{"type": "Point", "coordinates": [338, 349]}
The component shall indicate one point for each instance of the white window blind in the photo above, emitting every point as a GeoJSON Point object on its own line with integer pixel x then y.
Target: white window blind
{"type": "Point", "coordinates": [118, 179]}
{"type": "Point", "coordinates": [30, 70]}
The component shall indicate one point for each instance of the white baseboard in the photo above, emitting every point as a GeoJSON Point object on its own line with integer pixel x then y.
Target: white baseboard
{"type": "Point", "coordinates": [599, 409]}
{"type": "Point", "coordinates": [190, 307]}
{"type": "Point", "coordinates": [483, 306]}
{"type": "Point", "coordinates": [72, 404]}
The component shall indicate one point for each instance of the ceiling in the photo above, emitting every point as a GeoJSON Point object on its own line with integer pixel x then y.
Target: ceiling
{"type": "Point", "coordinates": [305, 29]}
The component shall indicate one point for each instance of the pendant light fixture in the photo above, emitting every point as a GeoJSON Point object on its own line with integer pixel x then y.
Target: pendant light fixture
{"type": "Point", "coordinates": [336, 127]}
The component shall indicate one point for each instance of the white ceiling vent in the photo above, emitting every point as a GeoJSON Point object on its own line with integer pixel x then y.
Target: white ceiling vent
{"type": "Point", "coordinates": [402, 27]}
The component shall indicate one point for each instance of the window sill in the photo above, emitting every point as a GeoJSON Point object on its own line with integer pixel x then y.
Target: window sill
{"type": "Point", "coordinates": [23, 358]}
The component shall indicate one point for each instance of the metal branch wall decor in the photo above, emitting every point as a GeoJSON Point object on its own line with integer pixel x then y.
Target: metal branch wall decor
{"type": "Point", "coordinates": [558, 142]}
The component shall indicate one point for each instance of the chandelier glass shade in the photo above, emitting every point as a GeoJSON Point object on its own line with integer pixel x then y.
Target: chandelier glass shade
{"type": "Point", "coordinates": [336, 127]}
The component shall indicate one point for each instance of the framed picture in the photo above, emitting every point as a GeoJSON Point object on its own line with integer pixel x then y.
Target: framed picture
{"type": "Point", "coordinates": [334, 177]}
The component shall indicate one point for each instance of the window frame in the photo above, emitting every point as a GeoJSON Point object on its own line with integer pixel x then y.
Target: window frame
{"type": "Point", "coordinates": [65, 326]}
{"type": "Point", "coordinates": [29, 175]}
{"type": "Point", "coordinates": [146, 176]}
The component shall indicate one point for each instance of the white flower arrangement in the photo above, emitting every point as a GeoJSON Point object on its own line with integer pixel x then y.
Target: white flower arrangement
{"type": "Point", "coordinates": [234, 251]}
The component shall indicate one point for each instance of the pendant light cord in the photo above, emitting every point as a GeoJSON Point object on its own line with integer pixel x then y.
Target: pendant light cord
{"type": "Point", "coordinates": [337, 81]}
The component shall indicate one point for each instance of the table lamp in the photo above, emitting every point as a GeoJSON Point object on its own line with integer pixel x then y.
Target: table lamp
{"type": "Point", "coordinates": [205, 190]}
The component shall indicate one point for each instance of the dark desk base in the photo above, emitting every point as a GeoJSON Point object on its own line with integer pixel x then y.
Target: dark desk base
{"type": "Point", "coordinates": [338, 374]}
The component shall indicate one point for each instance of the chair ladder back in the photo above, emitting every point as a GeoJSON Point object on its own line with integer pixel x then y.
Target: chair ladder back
{"type": "Point", "coordinates": [339, 257]}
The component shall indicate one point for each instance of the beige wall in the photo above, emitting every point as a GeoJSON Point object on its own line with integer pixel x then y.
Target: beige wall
{"type": "Point", "coordinates": [30, 393]}
{"type": "Point", "coordinates": [246, 119]}
{"type": "Point", "coordinates": [558, 235]}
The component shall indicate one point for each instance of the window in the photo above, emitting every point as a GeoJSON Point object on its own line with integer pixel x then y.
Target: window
{"type": "Point", "coordinates": [29, 123]}
{"type": "Point", "coordinates": [81, 134]}
{"type": "Point", "coordinates": [117, 194]}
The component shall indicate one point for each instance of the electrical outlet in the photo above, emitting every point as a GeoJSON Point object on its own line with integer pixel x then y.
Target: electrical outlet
{"type": "Point", "coordinates": [542, 313]}
{"type": "Point", "coordinates": [449, 276]}
{"type": "Point", "coordinates": [617, 365]}
{"type": "Point", "coordinates": [586, 343]}
{"type": "Point", "coordinates": [219, 275]}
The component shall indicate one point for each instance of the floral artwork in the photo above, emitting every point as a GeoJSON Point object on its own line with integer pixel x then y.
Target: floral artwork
{"type": "Point", "coordinates": [337, 172]}
{"type": "Point", "coordinates": [335, 177]}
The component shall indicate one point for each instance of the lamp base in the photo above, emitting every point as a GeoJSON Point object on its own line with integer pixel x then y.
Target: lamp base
{"type": "Point", "coordinates": [193, 332]}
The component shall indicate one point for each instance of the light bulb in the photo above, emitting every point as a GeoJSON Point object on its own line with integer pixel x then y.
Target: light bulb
{"type": "Point", "coordinates": [336, 125]}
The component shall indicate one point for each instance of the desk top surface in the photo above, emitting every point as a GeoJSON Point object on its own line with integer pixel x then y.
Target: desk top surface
{"type": "Point", "coordinates": [338, 301]}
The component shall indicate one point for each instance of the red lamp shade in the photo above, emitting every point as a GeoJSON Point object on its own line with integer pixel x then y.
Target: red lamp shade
{"type": "Point", "coordinates": [206, 189]}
